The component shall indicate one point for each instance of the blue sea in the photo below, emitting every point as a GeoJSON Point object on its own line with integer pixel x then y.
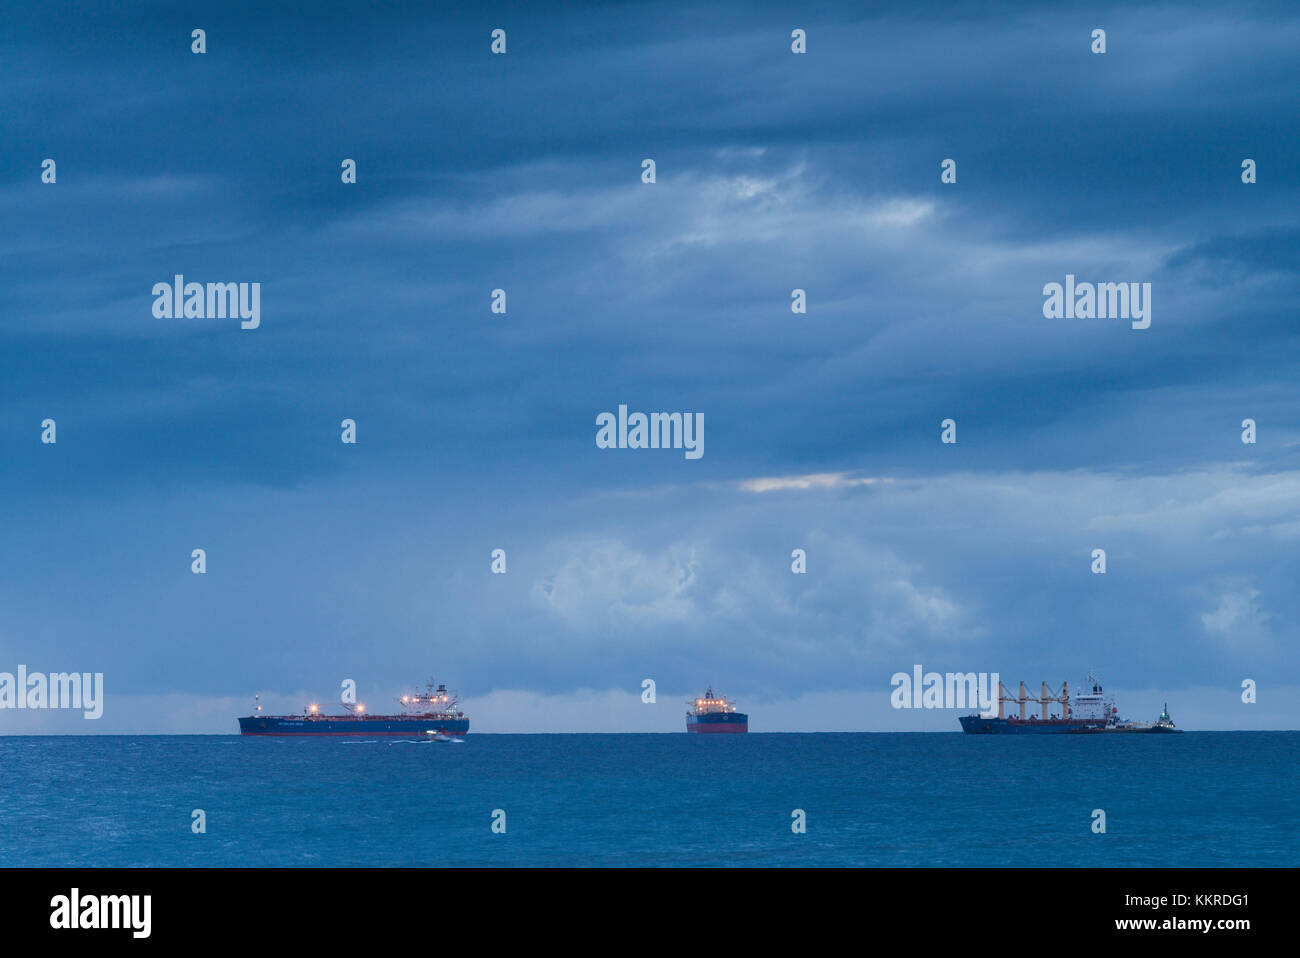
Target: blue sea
{"type": "Point", "coordinates": [1202, 798]}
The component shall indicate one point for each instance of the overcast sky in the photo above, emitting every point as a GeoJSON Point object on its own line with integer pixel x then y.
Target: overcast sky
{"type": "Point", "coordinates": [476, 431]}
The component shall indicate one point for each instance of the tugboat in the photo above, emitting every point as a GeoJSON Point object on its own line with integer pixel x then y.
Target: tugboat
{"type": "Point", "coordinates": [435, 712]}
{"type": "Point", "coordinates": [1165, 722]}
{"type": "Point", "coordinates": [715, 714]}
{"type": "Point", "coordinates": [1163, 725]}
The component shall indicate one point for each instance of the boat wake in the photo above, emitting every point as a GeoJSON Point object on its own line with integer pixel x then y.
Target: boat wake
{"type": "Point", "coordinates": [428, 741]}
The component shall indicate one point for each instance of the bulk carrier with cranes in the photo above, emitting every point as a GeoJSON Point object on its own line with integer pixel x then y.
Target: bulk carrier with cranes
{"type": "Point", "coordinates": [1090, 711]}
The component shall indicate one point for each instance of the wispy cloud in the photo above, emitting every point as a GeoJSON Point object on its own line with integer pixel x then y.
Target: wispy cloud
{"type": "Point", "coordinates": [823, 480]}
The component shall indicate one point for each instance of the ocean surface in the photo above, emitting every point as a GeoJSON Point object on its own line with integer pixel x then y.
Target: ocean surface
{"type": "Point", "coordinates": [1202, 798]}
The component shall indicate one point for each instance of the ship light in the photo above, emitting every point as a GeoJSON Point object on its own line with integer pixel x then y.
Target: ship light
{"type": "Point", "coordinates": [315, 708]}
{"type": "Point", "coordinates": [361, 708]}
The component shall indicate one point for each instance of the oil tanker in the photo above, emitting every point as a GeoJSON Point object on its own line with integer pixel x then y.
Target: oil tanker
{"type": "Point", "coordinates": [715, 714]}
{"type": "Point", "coordinates": [435, 713]}
{"type": "Point", "coordinates": [1091, 711]}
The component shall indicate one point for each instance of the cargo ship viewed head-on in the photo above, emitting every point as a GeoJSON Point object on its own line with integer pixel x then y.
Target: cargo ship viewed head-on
{"type": "Point", "coordinates": [434, 711]}
{"type": "Point", "coordinates": [713, 713]}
